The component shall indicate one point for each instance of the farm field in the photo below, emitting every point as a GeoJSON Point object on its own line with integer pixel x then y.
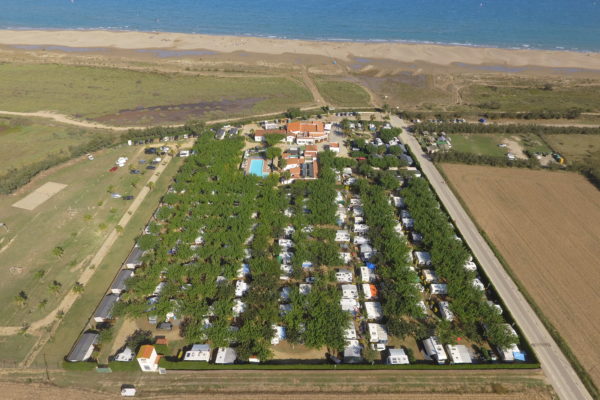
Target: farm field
{"type": "Point", "coordinates": [126, 97]}
{"type": "Point", "coordinates": [545, 225]}
{"type": "Point", "coordinates": [46, 249]}
{"type": "Point", "coordinates": [343, 94]}
{"type": "Point", "coordinates": [37, 139]}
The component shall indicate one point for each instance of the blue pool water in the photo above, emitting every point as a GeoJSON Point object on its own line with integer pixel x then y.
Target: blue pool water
{"type": "Point", "coordinates": [256, 167]}
{"type": "Point", "coordinates": [549, 24]}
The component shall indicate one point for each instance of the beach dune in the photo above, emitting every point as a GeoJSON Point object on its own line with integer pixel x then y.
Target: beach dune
{"type": "Point", "coordinates": [402, 52]}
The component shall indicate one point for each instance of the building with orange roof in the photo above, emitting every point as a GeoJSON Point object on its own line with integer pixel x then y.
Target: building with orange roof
{"type": "Point", "coordinates": [148, 358]}
{"type": "Point", "coordinates": [307, 132]}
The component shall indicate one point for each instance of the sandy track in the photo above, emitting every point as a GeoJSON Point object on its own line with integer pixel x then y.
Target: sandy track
{"type": "Point", "coordinates": [65, 119]}
{"type": "Point", "coordinates": [547, 227]}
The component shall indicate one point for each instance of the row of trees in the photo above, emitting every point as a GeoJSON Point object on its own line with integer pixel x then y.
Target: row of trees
{"type": "Point", "coordinates": [482, 159]}
{"type": "Point", "coordinates": [400, 295]}
{"type": "Point", "coordinates": [449, 255]}
{"type": "Point", "coordinates": [449, 127]}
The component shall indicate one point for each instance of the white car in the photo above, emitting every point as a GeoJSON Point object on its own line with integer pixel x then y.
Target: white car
{"type": "Point", "coordinates": [90, 157]}
{"type": "Point", "coordinates": [115, 195]}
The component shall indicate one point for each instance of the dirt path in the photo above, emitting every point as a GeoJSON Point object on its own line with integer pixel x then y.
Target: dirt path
{"type": "Point", "coordinates": [310, 84]}
{"type": "Point", "coordinates": [514, 147]}
{"type": "Point", "coordinates": [65, 119]}
{"type": "Point", "coordinates": [71, 297]}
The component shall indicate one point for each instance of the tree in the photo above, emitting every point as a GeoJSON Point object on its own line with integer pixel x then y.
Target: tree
{"type": "Point", "coordinates": [21, 298]}
{"type": "Point", "coordinates": [293, 112]}
{"type": "Point", "coordinates": [150, 185]}
{"type": "Point", "coordinates": [55, 287]}
{"type": "Point", "coordinates": [119, 229]}
{"type": "Point", "coordinates": [138, 338]}
{"type": "Point", "coordinates": [78, 287]}
{"type": "Point", "coordinates": [273, 152]}
{"type": "Point", "coordinates": [273, 138]}
{"type": "Point", "coordinates": [370, 355]}
{"type": "Point", "coordinates": [58, 251]}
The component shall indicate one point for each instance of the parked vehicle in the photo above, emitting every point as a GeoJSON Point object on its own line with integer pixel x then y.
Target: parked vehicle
{"type": "Point", "coordinates": [128, 197]}
{"type": "Point", "coordinates": [115, 195]}
{"type": "Point", "coordinates": [135, 171]}
{"type": "Point", "coordinates": [151, 167]}
{"type": "Point", "coordinates": [113, 169]}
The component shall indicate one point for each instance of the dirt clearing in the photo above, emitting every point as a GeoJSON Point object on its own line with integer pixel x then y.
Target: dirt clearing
{"type": "Point", "coordinates": [546, 225]}
{"type": "Point", "coordinates": [39, 195]}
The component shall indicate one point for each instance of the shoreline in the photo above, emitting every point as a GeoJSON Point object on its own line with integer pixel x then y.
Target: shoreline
{"type": "Point", "coordinates": [317, 39]}
{"type": "Point", "coordinates": [438, 54]}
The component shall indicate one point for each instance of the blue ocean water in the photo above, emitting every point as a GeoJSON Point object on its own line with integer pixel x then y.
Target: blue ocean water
{"type": "Point", "coordinates": [547, 24]}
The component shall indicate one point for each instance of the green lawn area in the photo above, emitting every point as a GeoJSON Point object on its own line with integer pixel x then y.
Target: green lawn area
{"type": "Point", "coordinates": [14, 348]}
{"type": "Point", "coordinates": [75, 320]}
{"type": "Point", "coordinates": [574, 147]}
{"type": "Point", "coordinates": [533, 98]}
{"type": "Point", "coordinates": [24, 141]}
{"type": "Point", "coordinates": [343, 94]}
{"type": "Point", "coordinates": [93, 92]}
{"type": "Point", "coordinates": [478, 144]}
{"type": "Point", "coordinates": [487, 144]}
{"type": "Point", "coordinates": [77, 219]}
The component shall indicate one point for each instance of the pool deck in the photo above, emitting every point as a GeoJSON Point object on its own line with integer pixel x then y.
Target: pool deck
{"type": "Point", "coordinates": [265, 167]}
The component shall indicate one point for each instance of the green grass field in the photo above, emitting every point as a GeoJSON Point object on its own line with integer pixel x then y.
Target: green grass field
{"type": "Point", "coordinates": [75, 320]}
{"type": "Point", "coordinates": [77, 219]}
{"type": "Point", "coordinates": [533, 97]}
{"type": "Point", "coordinates": [24, 141]}
{"type": "Point", "coordinates": [343, 94]}
{"type": "Point", "coordinates": [487, 144]}
{"type": "Point", "coordinates": [93, 92]}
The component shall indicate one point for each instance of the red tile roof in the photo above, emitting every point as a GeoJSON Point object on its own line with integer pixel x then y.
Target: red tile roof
{"type": "Point", "coordinates": [145, 351]}
{"type": "Point", "coordinates": [306, 127]}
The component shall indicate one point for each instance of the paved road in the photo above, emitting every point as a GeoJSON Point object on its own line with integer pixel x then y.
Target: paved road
{"type": "Point", "coordinates": [557, 369]}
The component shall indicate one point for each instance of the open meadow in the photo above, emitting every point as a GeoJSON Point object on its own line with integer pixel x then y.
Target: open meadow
{"type": "Point", "coordinates": [24, 141]}
{"type": "Point", "coordinates": [46, 249]}
{"type": "Point", "coordinates": [343, 94]}
{"type": "Point", "coordinates": [546, 226]}
{"type": "Point", "coordinates": [575, 147]}
{"type": "Point", "coordinates": [126, 97]}
{"type": "Point", "coordinates": [490, 144]}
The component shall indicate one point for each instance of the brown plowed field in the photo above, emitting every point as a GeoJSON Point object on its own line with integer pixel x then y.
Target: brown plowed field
{"type": "Point", "coordinates": [546, 225]}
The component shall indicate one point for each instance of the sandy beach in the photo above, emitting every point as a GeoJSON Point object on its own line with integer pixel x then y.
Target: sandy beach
{"type": "Point", "coordinates": [399, 52]}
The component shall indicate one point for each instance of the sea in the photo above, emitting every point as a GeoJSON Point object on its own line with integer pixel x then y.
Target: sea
{"type": "Point", "coordinates": [540, 24]}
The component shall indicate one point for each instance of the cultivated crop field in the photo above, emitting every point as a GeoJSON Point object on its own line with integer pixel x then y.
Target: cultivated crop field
{"type": "Point", "coordinates": [546, 226]}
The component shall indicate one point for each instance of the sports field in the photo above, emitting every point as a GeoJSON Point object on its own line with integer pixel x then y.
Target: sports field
{"type": "Point", "coordinates": [127, 97]}
{"type": "Point", "coordinates": [546, 225]}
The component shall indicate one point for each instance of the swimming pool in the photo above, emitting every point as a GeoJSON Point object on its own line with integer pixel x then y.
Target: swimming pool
{"type": "Point", "coordinates": [256, 167]}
